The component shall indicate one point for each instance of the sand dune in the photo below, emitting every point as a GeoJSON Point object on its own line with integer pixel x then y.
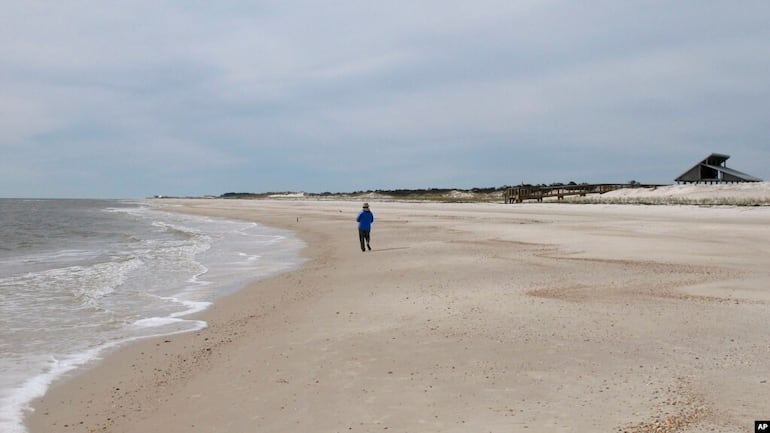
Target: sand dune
{"type": "Point", "coordinates": [754, 193]}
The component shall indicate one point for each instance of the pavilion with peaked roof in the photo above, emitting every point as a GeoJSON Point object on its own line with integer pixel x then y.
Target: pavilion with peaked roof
{"type": "Point", "coordinates": [714, 170]}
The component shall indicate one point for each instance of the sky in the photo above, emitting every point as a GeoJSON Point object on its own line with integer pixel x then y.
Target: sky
{"type": "Point", "coordinates": [117, 99]}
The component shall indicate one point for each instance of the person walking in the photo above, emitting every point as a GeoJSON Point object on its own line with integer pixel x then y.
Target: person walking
{"type": "Point", "coordinates": [365, 219]}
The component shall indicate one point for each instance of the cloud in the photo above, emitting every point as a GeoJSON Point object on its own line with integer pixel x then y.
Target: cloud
{"type": "Point", "coordinates": [280, 95]}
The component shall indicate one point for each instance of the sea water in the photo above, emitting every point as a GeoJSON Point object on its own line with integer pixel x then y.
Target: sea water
{"type": "Point", "coordinates": [78, 277]}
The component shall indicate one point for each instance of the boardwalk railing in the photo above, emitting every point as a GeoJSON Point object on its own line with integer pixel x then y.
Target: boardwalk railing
{"type": "Point", "coordinates": [519, 194]}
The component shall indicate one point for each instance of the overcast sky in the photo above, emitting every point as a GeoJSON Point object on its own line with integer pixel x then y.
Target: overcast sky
{"type": "Point", "coordinates": [121, 99]}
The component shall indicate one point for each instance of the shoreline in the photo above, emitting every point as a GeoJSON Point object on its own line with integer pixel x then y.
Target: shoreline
{"type": "Point", "coordinates": [463, 318]}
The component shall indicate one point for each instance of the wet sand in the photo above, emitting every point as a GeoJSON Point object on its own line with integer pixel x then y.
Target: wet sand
{"type": "Point", "coordinates": [464, 318]}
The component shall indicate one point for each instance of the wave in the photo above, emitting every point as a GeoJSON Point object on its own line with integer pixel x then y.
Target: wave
{"type": "Point", "coordinates": [138, 273]}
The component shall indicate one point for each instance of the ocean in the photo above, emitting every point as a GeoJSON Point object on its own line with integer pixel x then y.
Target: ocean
{"type": "Point", "coordinates": [80, 277]}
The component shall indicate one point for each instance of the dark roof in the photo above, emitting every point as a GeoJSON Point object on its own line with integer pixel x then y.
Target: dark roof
{"type": "Point", "coordinates": [716, 159]}
{"type": "Point", "coordinates": [713, 169]}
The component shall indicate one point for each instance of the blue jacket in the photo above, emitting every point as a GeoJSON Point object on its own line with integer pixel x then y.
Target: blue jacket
{"type": "Point", "coordinates": [365, 219]}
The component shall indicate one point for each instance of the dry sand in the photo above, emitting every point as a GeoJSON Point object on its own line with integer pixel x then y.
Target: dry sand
{"type": "Point", "coordinates": [464, 318]}
{"type": "Point", "coordinates": [749, 193]}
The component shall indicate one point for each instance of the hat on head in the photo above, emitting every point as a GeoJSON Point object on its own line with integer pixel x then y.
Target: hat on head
{"type": "Point", "coordinates": [366, 205]}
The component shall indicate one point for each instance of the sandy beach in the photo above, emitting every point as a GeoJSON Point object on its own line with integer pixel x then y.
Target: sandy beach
{"type": "Point", "coordinates": [463, 318]}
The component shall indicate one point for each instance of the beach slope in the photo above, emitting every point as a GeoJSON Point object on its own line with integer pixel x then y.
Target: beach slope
{"type": "Point", "coordinates": [463, 318]}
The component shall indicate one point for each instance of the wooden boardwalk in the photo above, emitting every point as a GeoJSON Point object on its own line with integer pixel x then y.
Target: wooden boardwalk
{"type": "Point", "coordinates": [519, 194]}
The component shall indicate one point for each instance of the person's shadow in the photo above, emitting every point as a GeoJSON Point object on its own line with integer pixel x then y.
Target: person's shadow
{"type": "Point", "coordinates": [374, 250]}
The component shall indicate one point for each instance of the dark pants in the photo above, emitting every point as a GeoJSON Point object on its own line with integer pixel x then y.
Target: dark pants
{"type": "Point", "coordinates": [363, 235]}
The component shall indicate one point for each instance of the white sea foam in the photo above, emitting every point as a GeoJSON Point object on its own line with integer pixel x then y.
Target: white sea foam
{"type": "Point", "coordinates": [169, 325]}
{"type": "Point", "coordinates": [14, 405]}
{"type": "Point", "coordinates": [250, 257]}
